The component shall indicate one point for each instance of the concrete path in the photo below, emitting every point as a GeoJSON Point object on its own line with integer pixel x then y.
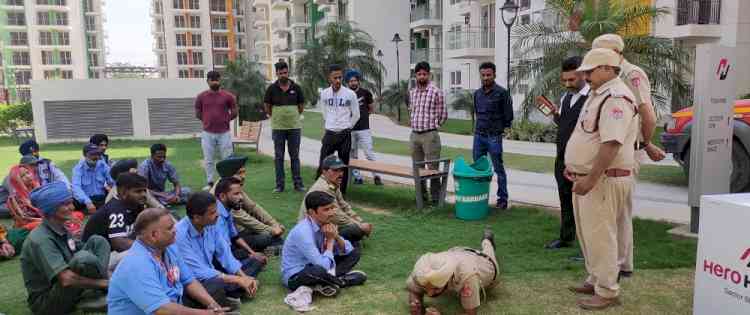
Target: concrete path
{"type": "Point", "coordinates": [651, 201]}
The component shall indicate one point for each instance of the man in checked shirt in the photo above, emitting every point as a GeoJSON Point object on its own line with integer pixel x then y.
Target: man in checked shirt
{"type": "Point", "coordinates": [427, 113]}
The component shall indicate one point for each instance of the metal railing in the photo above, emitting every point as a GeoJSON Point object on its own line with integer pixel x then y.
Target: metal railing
{"type": "Point", "coordinates": [698, 12]}
{"type": "Point", "coordinates": [431, 55]}
{"type": "Point", "coordinates": [478, 38]}
{"type": "Point", "coordinates": [299, 20]}
{"type": "Point", "coordinates": [280, 23]}
{"type": "Point", "coordinates": [423, 12]}
{"type": "Point", "coordinates": [300, 45]}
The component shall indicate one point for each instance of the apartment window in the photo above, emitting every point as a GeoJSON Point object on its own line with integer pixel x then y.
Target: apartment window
{"type": "Point", "coordinates": [19, 38]}
{"type": "Point", "coordinates": [163, 74]}
{"type": "Point", "coordinates": [220, 41]}
{"type": "Point", "coordinates": [160, 42]}
{"type": "Point", "coordinates": [16, 18]}
{"type": "Point", "coordinates": [182, 58]}
{"type": "Point", "coordinates": [158, 25]}
{"type": "Point", "coordinates": [195, 40]}
{"type": "Point", "coordinates": [58, 74]}
{"type": "Point", "coordinates": [14, 2]}
{"type": "Point", "coordinates": [195, 21]}
{"type": "Point", "coordinates": [61, 18]}
{"type": "Point", "coordinates": [219, 22]}
{"type": "Point", "coordinates": [91, 42]}
{"type": "Point", "coordinates": [88, 5]}
{"type": "Point", "coordinates": [220, 58]}
{"type": "Point", "coordinates": [42, 18]}
{"type": "Point", "coordinates": [456, 78]}
{"type": "Point", "coordinates": [525, 4]}
{"type": "Point", "coordinates": [197, 58]}
{"type": "Point", "coordinates": [66, 74]}
{"type": "Point", "coordinates": [179, 21]}
{"type": "Point", "coordinates": [219, 5]}
{"type": "Point", "coordinates": [21, 58]}
{"type": "Point", "coordinates": [45, 38]}
{"type": "Point", "coordinates": [240, 26]}
{"type": "Point", "coordinates": [54, 38]}
{"type": "Point", "coordinates": [51, 2]}
{"type": "Point", "coordinates": [184, 74]}
{"type": "Point", "coordinates": [181, 39]}
{"type": "Point", "coordinates": [93, 59]}
{"type": "Point", "coordinates": [94, 74]}
{"type": "Point", "coordinates": [191, 4]}
{"type": "Point", "coordinates": [198, 73]}
{"type": "Point", "coordinates": [24, 95]}
{"type": "Point", "coordinates": [66, 58]}
{"type": "Point", "coordinates": [157, 6]}
{"type": "Point", "coordinates": [90, 23]}
{"type": "Point", "coordinates": [48, 58]}
{"type": "Point", "coordinates": [23, 77]}
{"type": "Point", "coordinates": [162, 60]}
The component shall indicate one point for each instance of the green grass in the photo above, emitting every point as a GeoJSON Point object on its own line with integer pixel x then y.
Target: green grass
{"type": "Point", "coordinates": [667, 175]}
{"type": "Point", "coordinates": [458, 126]}
{"type": "Point", "coordinates": [532, 280]}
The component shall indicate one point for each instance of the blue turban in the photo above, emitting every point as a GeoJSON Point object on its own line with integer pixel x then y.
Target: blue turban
{"type": "Point", "coordinates": [27, 147]}
{"type": "Point", "coordinates": [48, 197]}
{"type": "Point", "coordinates": [351, 73]}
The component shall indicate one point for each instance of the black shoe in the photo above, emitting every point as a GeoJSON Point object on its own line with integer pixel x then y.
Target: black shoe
{"type": "Point", "coordinates": [557, 244]}
{"type": "Point", "coordinates": [502, 205]}
{"type": "Point", "coordinates": [299, 188]}
{"type": "Point", "coordinates": [624, 274]}
{"type": "Point", "coordinates": [488, 235]}
{"type": "Point", "coordinates": [353, 278]}
{"type": "Point", "coordinates": [278, 190]}
{"type": "Point", "coordinates": [378, 181]}
{"type": "Point", "coordinates": [358, 181]}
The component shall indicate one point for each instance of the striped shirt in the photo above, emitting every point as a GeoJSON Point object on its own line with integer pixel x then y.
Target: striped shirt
{"type": "Point", "coordinates": [427, 108]}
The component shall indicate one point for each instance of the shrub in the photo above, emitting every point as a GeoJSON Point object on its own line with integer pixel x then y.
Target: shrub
{"type": "Point", "coordinates": [14, 116]}
{"type": "Point", "coordinates": [525, 130]}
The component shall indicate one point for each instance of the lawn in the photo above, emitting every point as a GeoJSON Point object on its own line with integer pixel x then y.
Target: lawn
{"type": "Point", "coordinates": [532, 280]}
{"type": "Point", "coordinates": [667, 175]}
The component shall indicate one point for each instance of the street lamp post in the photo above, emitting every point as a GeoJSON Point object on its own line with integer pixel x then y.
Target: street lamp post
{"type": "Point", "coordinates": [509, 12]}
{"type": "Point", "coordinates": [380, 80]}
{"type": "Point", "coordinates": [397, 39]}
{"type": "Point", "coordinates": [468, 79]}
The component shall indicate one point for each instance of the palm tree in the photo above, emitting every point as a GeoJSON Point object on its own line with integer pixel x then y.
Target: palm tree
{"type": "Point", "coordinates": [341, 44]}
{"type": "Point", "coordinates": [243, 78]}
{"type": "Point", "coordinates": [464, 100]}
{"type": "Point", "coordinates": [540, 48]}
{"type": "Point", "coordinates": [395, 95]}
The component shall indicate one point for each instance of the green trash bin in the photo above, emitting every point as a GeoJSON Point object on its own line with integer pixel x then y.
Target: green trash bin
{"type": "Point", "coordinates": [472, 188]}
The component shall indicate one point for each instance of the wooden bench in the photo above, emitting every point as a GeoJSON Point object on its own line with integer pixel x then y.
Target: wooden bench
{"type": "Point", "coordinates": [415, 172]}
{"type": "Point", "coordinates": [23, 133]}
{"type": "Point", "coordinates": [248, 133]}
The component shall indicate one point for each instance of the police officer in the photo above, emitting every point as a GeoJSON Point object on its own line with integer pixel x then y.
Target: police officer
{"type": "Point", "coordinates": [351, 226]}
{"type": "Point", "coordinates": [464, 271]}
{"type": "Point", "coordinates": [638, 83]}
{"type": "Point", "coordinates": [599, 160]}
{"type": "Point", "coordinates": [494, 109]}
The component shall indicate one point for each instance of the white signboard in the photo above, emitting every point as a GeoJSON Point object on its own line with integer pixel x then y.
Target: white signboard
{"type": "Point", "coordinates": [722, 271]}
{"type": "Point", "coordinates": [711, 138]}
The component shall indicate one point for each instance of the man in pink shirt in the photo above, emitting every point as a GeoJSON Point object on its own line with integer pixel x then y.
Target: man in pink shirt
{"type": "Point", "coordinates": [215, 108]}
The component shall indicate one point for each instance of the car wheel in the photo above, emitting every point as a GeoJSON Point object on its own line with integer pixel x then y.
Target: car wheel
{"type": "Point", "coordinates": [740, 178]}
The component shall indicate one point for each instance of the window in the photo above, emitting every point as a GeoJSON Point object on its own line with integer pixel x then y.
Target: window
{"type": "Point", "coordinates": [90, 23]}
{"type": "Point", "coordinates": [220, 41]}
{"type": "Point", "coordinates": [195, 21]}
{"type": "Point", "coordinates": [45, 38]}
{"type": "Point", "coordinates": [14, 2]}
{"type": "Point", "coordinates": [94, 74]}
{"type": "Point", "coordinates": [88, 6]}
{"type": "Point", "coordinates": [182, 58]}
{"type": "Point", "coordinates": [241, 43]}
{"type": "Point", "coordinates": [198, 73]}
{"type": "Point", "coordinates": [220, 58]}
{"type": "Point", "coordinates": [51, 2]}
{"type": "Point", "coordinates": [525, 5]}
{"type": "Point", "coordinates": [197, 58]}
{"type": "Point", "coordinates": [219, 22]}
{"type": "Point", "coordinates": [65, 58]}
{"type": "Point", "coordinates": [93, 59]}
{"type": "Point", "coordinates": [91, 42]}
{"type": "Point", "coordinates": [184, 74]}
{"type": "Point", "coordinates": [42, 18]}
{"type": "Point", "coordinates": [21, 58]}
{"type": "Point", "coordinates": [24, 95]}
{"type": "Point", "coordinates": [54, 38]}
{"type": "Point", "coordinates": [47, 58]}
{"type": "Point", "coordinates": [195, 40]}
{"type": "Point", "coordinates": [219, 5]}
{"type": "Point", "coordinates": [16, 18]}
{"type": "Point", "coordinates": [23, 77]}
{"type": "Point", "coordinates": [61, 18]}
{"type": "Point", "coordinates": [67, 74]}
{"type": "Point", "coordinates": [51, 74]}
{"type": "Point", "coordinates": [61, 58]}
{"type": "Point", "coordinates": [160, 42]}
{"type": "Point", "coordinates": [456, 78]}
{"type": "Point", "coordinates": [19, 38]}
{"type": "Point", "coordinates": [181, 39]}
{"type": "Point", "coordinates": [162, 60]}
{"type": "Point", "coordinates": [191, 4]}
{"type": "Point", "coordinates": [240, 26]}
{"type": "Point", "coordinates": [179, 21]}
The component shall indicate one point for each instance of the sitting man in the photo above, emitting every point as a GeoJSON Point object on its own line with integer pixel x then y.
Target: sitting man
{"type": "Point", "coordinates": [201, 243]}
{"type": "Point", "coordinates": [314, 254]}
{"type": "Point", "coordinates": [464, 271]}
{"type": "Point", "coordinates": [254, 224]}
{"type": "Point", "coordinates": [114, 221]}
{"type": "Point", "coordinates": [129, 166]}
{"type": "Point", "coordinates": [351, 226]}
{"type": "Point", "coordinates": [153, 278]}
{"type": "Point", "coordinates": [6, 248]}
{"type": "Point", "coordinates": [91, 179]}
{"type": "Point", "coordinates": [46, 171]}
{"type": "Point", "coordinates": [57, 269]}
{"type": "Point", "coordinates": [102, 141]}
{"type": "Point", "coordinates": [229, 196]}
{"type": "Point", "coordinates": [158, 170]}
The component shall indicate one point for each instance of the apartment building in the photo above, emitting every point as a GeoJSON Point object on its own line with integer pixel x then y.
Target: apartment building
{"type": "Point", "coordinates": [192, 37]}
{"type": "Point", "coordinates": [280, 30]}
{"type": "Point", "coordinates": [47, 40]}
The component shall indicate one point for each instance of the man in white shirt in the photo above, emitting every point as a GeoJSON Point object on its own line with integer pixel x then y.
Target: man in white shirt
{"type": "Point", "coordinates": [340, 113]}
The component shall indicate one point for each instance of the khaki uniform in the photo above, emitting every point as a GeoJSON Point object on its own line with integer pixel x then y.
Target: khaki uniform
{"type": "Point", "coordinates": [638, 83]}
{"type": "Point", "coordinates": [600, 215]}
{"type": "Point", "coordinates": [474, 274]}
{"type": "Point", "coordinates": [344, 214]}
{"type": "Point", "coordinates": [252, 217]}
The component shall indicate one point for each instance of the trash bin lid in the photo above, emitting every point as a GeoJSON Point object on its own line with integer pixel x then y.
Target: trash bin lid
{"type": "Point", "coordinates": [480, 168]}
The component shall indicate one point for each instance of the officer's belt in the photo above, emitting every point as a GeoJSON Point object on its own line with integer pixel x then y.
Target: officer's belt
{"type": "Point", "coordinates": [478, 253]}
{"type": "Point", "coordinates": [612, 172]}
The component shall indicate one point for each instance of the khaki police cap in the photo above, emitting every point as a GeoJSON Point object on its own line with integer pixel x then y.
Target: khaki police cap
{"type": "Point", "coordinates": [609, 41]}
{"type": "Point", "coordinates": [434, 270]}
{"type": "Point", "coordinates": [599, 57]}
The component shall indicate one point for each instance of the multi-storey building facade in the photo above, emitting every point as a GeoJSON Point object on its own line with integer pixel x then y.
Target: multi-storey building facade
{"type": "Point", "coordinates": [49, 39]}
{"type": "Point", "coordinates": [192, 37]}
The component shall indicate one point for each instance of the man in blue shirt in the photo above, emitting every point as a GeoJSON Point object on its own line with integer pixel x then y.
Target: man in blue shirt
{"type": "Point", "coordinates": [46, 171]}
{"type": "Point", "coordinates": [157, 170]}
{"type": "Point", "coordinates": [228, 192]}
{"type": "Point", "coordinates": [201, 243]}
{"type": "Point", "coordinates": [314, 254]}
{"type": "Point", "coordinates": [494, 111]}
{"type": "Point", "coordinates": [153, 278]}
{"type": "Point", "coordinates": [91, 179]}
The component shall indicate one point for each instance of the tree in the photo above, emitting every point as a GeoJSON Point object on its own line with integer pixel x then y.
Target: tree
{"type": "Point", "coordinates": [464, 100]}
{"type": "Point", "coordinates": [244, 79]}
{"type": "Point", "coordinates": [342, 44]}
{"type": "Point", "coordinates": [540, 48]}
{"type": "Point", "coordinates": [395, 95]}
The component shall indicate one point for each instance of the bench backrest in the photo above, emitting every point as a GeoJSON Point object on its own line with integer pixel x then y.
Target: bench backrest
{"type": "Point", "coordinates": [249, 130]}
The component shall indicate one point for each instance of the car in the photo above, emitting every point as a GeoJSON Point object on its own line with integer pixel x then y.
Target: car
{"type": "Point", "coordinates": [676, 140]}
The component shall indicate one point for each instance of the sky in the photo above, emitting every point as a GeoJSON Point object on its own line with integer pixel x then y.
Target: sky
{"type": "Point", "coordinates": [128, 30]}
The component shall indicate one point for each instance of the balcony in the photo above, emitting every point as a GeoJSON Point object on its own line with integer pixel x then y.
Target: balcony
{"type": "Point", "coordinates": [300, 22]}
{"type": "Point", "coordinates": [281, 26]}
{"type": "Point", "coordinates": [432, 55]}
{"type": "Point", "coordinates": [326, 5]}
{"type": "Point", "coordinates": [261, 3]}
{"type": "Point", "coordinates": [463, 7]}
{"type": "Point", "coordinates": [299, 47]}
{"type": "Point", "coordinates": [282, 50]}
{"type": "Point", "coordinates": [470, 44]}
{"type": "Point", "coordinates": [697, 19]}
{"type": "Point", "coordinates": [281, 4]}
{"type": "Point", "coordinates": [425, 17]}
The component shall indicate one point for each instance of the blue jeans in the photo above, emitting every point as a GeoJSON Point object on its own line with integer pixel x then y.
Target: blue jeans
{"type": "Point", "coordinates": [213, 143]}
{"type": "Point", "coordinates": [493, 145]}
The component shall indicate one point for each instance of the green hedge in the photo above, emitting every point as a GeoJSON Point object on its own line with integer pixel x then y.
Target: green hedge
{"type": "Point", "coordinates": [525, 130]}
{"type": "Point", "coordinates": [13, 116]}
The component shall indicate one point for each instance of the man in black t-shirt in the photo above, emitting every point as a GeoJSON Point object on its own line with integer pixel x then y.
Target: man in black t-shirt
{"type": "Point", "coordinates": [361, 136]}
{"type": "Point", "coordinates": [114, 221]}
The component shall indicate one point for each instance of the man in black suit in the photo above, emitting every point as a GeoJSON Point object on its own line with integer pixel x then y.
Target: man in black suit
{"type": "Point", "coordinates": [566, 117]}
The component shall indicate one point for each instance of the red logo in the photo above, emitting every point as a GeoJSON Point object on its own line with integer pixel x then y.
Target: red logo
{"type": "Point", "coordinates": [723, 69]}
{"type": "Point", "coordinates": [745, 255]}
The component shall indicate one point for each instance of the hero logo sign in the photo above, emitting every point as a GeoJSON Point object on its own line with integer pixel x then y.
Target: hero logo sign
{"type": "Point", "coordinates": [723, 69]}
{"type": "Point", "coordinates": [727, 273]}
{"type": "Point", "coordinates": [745, 255]}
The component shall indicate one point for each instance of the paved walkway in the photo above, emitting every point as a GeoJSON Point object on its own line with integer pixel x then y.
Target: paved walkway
{"type": "Point", "coordinates": [651, 201]}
